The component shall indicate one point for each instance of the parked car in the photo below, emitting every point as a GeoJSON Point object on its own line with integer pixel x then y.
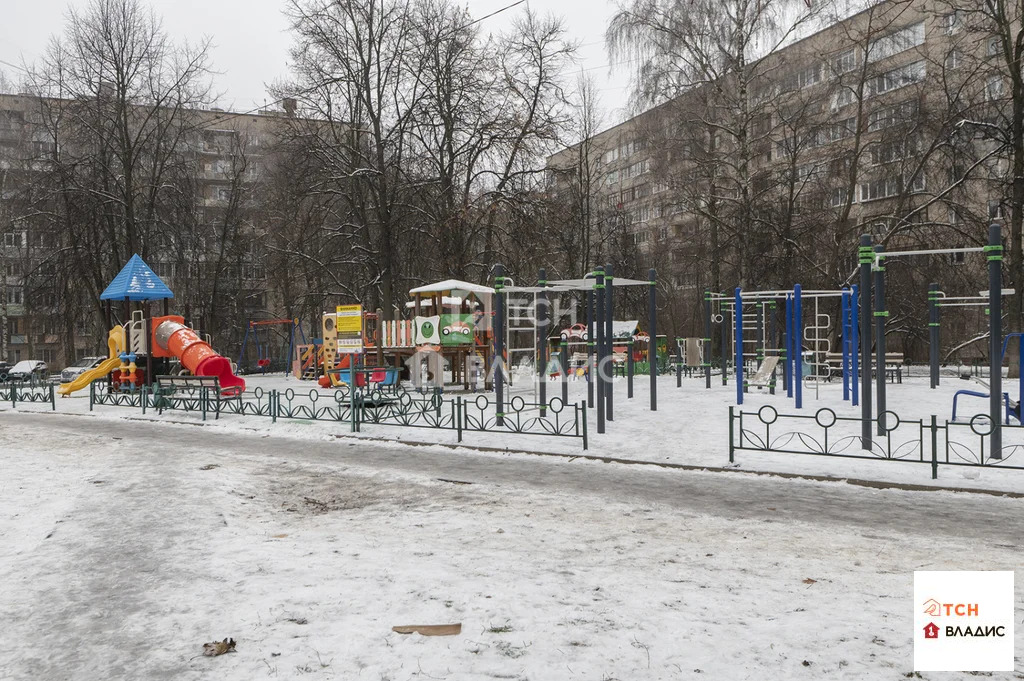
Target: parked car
{"type": "Point", "coordinates": [80, 367]}
{"type": "Point", "coordinates": [26, 369]}
{"type": "Point", "coordinates": [576, 332]}
{"type": "Point", "coordinates": [4, 369]}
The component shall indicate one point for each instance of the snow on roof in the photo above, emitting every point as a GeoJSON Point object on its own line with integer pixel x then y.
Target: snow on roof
{"type": "Point", "coordinates": [452, 285]}
{"type": "Point", "coordinates": [136, 281]}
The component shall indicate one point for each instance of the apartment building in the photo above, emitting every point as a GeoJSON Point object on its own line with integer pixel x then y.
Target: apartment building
{"type": "Point", "coordinates": [886, 123]}
{"type": "Point", "coordinates": [221, 164]}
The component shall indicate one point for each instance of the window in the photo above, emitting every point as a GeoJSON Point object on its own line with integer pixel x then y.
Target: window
{"type": "Point", "coordinates": [806, 172]}
{"type": "Point", "coordinates": [841, 130]}
{"type": "Point", "coordinates": [809, 76]}
{"type": "Point", "coordinates": [897, 78]}
{"type": "Point", "coordinates": [844, 62]}
{"type": "Point", "coordinates": [887, 187]}
{"type": "Point", "coordinates": [995, 210]}
{"type": "Point", "coordinates": [894, 43]}
{"type": "Point", "coordinates": [839, 197]}
{"type": "Point", "coordinates": [887, 152]}
{"type": "Point", "coordinates": [952, 22]}
{"type": "Point", "coordinates": [954, 59]}
{"type": "Point", "coordinates": [993, 46]}
{"type": "Point", "coordinates": [15, 296]}
{"type": "Point", "coordinates": [957, 258]}
{"type": "Point", "coordinates": [904, 112]}
{"type": "Point", "coordinates": [14, 239]}
{"type": "Point", "coordinates": [224, 193]}
{"type": "Point", "coordinates": [843, 97]}
{"type": "Point", "coordinates": [612, 177]}
{"type": "Point", "coordinates": [994, 88]}
{"type": "Point", "coordinates": [611, 156]}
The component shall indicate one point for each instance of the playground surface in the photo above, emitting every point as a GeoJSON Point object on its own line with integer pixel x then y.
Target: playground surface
{"type": "Point", "coordinates": [126, 545]}
{"type": "Point", "coordinates": [690, 427]}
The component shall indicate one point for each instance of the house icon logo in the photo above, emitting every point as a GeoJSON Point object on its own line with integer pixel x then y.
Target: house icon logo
{"type": "Point", "coordinates": [931, 630]}
{"type": "Point", "coordinates": [933, 608]}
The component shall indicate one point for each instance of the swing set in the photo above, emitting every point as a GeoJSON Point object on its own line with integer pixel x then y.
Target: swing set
{"type": "Point", "coordinates": [263, 333]}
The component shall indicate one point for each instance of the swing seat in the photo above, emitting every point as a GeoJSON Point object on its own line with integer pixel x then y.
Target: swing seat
{"type": "Point", "coordinates": [263, 363]}
{"type": "Point", "coordinates": [378, 375]}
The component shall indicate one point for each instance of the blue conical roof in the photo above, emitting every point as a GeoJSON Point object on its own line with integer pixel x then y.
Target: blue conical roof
{"type": "Point", "coordinates": [136, 281]}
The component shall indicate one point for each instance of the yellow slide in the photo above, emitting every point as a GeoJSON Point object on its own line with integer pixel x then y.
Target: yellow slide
{"type": "Point", "coordinates": [116, 345]}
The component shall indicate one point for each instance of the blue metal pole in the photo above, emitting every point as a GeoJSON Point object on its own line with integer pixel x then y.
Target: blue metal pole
{"type": "Point", "coordinates": [845, 342]}
{"type": "Point", "coordinates": [798, 335]}
{"type": "Point", "coordinates": [738, 345]}
{"type": "Point", "coordinates": [789, 346]}
{"type": "Point", "coordinates": [854, 347]}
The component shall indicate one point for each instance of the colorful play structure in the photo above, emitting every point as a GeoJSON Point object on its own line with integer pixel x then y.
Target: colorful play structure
{"type": "Point", "coordinates": [144, 346]}
{"type": "Point", "coordinates": [449, 329]}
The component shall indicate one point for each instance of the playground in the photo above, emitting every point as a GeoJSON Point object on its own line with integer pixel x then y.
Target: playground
{"type": "Point", "coordinates": [531, 461]}
{"type": "Point", "coordinates": [792, 381]}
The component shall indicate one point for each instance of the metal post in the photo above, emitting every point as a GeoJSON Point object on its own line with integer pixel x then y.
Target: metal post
{"type": "Point", "coordinates": [933, 334]}
{"type": "Point", "coordinates": [498, 363]}
{"type": "Point", "coordinates": [995, 321]}
{"type": "Point", "coordinates": [609, 340]}
{"type": "Point", "coordinates": [652, 346]}
{"type": "Point", "coordinates": [599, 311]}
{"type": "Point", "coordinates": [787, 376]}
{"type": "Point", "coordinates": [774, 336]}
{"type": "Point", "coordinates": [844, 344]}
{"type": "Point", "coordinates": [707, 339]}
{"type": "Point", "coordinates": [724, 327]}
{"type": "Point", "coordinates": [880, 315]}
{"type": "Point", "coordinates": [867, 258]}
{"type": "Point", "coordinates": [738, 345]}
{"type": "Point", "coordinates": [854, 347]}
{"type": "Point", "coordinates": [541, 307]}
{"type": "Point", "coordinates": [590, 348]}
{"type": "Point", "coordinates": [759, 344]}
{"type": "Point", "coordinates": [798, 335]}
{"type": "Point", "coordinates": [565, 371]}
{"type": "Point", "coordinates": [629, 368]}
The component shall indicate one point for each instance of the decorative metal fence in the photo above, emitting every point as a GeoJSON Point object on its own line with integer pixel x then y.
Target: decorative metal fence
{"type": "Point", "coordinates": [396, 407]}
{"type": "Point", "coordinates": [14, 392]}
{"type": "Point", "coordinates": [914, 440]}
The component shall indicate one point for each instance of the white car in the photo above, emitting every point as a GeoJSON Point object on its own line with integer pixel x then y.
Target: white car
{"type": "Point", "coordinates": [26, 369]}
{"type": "Point", "coordinates": [80, 367]}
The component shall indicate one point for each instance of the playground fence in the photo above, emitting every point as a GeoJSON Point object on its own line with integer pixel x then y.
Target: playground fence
{"type": "Point", "coordinates": [28, 392]}
{"type": "Point", "coordinates": [953, 443]}
{"type": "Point", "coordinates": [394, 407]}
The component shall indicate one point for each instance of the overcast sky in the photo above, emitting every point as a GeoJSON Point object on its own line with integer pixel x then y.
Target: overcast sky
{"type": "Point", "coordinates": [251, 39]}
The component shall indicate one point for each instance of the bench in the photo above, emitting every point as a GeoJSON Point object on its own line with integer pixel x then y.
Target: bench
{"type": "Point", "coordinates": [893, 365]}
{"type": "Point", "coordinates": [196, 393]}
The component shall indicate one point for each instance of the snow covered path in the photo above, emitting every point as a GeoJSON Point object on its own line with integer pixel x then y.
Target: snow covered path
{"type": "Point", "coordinates": [123, 549]}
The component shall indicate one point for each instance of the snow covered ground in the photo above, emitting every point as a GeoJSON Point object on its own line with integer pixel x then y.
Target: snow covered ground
{"type": "Point", "coordinates": [689, 428]}
{"type": "Point", "coordinates": [126, 545]}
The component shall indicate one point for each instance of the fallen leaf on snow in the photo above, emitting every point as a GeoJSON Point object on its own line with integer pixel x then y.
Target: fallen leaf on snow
{"type": "Point", "coordinates": [219, 647]}
{"type": "Point", "coordinates": [810, 581]}
{"type": "Point", "coordinates": [429, 629]}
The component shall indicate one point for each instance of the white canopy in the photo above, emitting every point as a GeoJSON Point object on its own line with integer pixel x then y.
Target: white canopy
{"type": "Point", "coordinates": [454, 286]}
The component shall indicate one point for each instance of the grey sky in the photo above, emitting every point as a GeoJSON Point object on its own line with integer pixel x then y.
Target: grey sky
{"type": "Point", "coordinates": [251, 39]}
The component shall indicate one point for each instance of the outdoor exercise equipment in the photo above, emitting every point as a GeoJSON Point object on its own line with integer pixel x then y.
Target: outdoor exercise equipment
{"type": "Point", "coordinates": [872, 259]}
{"type": "Point", "coordinates": [598, 288]}
{"type": "Point", "coordinates": [760, 308]}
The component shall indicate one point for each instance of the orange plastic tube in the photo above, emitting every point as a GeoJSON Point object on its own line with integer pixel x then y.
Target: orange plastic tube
{"type": "Point", "coordinates": [196, 355]}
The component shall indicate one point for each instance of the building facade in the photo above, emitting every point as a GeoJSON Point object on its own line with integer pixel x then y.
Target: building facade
{"type": "Point", "coordinates": [197, 220]}
{"type": "Point", "coordinates": [891, 122]}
